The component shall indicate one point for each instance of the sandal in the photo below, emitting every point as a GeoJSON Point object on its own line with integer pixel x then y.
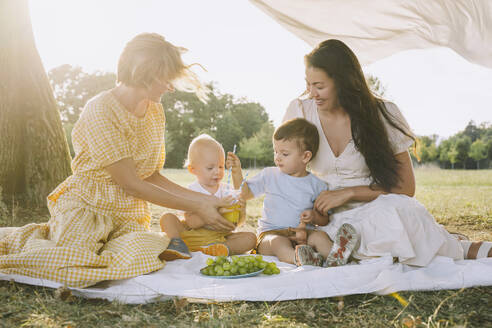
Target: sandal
{"type": "Point", "coordinates": [305, 255]}
{"type": "Point", "coordinates": [346, 241]}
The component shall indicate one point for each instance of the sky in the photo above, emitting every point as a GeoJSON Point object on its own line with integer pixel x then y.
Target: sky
{"type": "Point", "coordinates": [247, 54]}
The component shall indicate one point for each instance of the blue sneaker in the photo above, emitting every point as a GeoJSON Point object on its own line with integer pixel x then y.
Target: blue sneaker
{"type": "Point", "coordinates": [176, 249]}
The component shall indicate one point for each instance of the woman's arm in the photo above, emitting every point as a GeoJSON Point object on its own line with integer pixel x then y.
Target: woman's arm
{"type": "Point", "coordinates": [161, 181]}
{"type": "Point", "coordinates": [125, 175]}
{"type": "Point", "coordinates": [334, 198]}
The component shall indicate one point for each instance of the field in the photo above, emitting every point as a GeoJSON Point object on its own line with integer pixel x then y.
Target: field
{"type": "Point", "coordinates": [460, 200]}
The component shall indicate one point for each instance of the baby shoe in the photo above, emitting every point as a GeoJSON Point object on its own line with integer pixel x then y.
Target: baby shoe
{"type": "Point", "coordinates": [215, 249]}
{"type": "Point", "coordinates": [346, 241]}
{"type": "Point", "coordinates": [305, 255]}
{"type": "Point", "coordinates": [176, 249]}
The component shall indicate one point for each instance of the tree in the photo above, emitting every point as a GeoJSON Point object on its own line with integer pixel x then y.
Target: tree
{"type": "Point", "coordinates": [224, 118]}
{"type": "Point", "coordinates": [453, 156]}
{"type": "Point", "coordinates": [34, 156]}
{"type": "Point", "coordinates": [462, 146]}
{"type": "Point", "coordinates": [478, 151]}
{"type": "Point", "coordinates": [375, 85]}
{"type": "Point", "coordinates": [259, 147]}
{"type": "Point", "coordinates": [472, 131]}
{"type": "Point", "coordinates": [427, 151]}
{"type": "Point", "coordinates": [250, 150]}
{"type": "Point", "coordinates": [443, 150]}
{"type": "Point", "coordinates": [74, 87]}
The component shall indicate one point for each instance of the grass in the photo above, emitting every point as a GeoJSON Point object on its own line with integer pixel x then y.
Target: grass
{"type": "Point", "coordinates": [460, 200]}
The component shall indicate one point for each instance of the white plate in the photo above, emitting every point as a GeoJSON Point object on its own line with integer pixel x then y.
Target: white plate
{"type": "Point", "coordinates": [251, 274]}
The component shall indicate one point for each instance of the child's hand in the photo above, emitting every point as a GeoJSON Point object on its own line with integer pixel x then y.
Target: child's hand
{"type": "Point", "coordinates": [307, 216]}
{"type": "Point", "coordinates": [301, 234]}
{"type": "Point", "coordinates": [233, 162]}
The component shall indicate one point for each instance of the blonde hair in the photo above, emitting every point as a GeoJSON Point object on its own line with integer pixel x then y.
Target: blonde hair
{"type": "Point", "coordinates": [196, 143]}
{"type": "Point", "coordinates": [149, 57]}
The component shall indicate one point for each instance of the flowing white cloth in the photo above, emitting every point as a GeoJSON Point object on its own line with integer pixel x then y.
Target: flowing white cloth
{"type": "Point", "coordinates": [380, 28]}
{"type": "Point", "coordinates": [181, 278]}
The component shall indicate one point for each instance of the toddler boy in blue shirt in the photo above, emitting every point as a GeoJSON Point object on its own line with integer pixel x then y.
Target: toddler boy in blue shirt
{"type": "Point", "coordinates": [290, 191]}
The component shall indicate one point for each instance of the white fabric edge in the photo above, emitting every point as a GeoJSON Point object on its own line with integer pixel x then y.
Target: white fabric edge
{"type": "Point", "coordinates": [379, 276]}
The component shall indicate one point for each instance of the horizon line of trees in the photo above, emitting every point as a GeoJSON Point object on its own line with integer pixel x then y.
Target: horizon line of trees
{"type": "Point", "coordinates": [467, 149]}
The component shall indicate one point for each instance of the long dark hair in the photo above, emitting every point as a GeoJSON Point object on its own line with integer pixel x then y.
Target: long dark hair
{"type": "Point", "coordinates": [364, 109]}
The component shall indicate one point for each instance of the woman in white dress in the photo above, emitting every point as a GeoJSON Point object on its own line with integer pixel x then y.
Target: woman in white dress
{"type": "Point", "coordinates": [363, 156]}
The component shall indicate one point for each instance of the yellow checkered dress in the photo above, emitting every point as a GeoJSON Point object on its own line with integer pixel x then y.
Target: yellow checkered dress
{"type": "Point", "coordinates": [96, 231]}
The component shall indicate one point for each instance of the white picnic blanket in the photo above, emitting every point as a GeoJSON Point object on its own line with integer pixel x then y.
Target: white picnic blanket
{"type": "Point", "coordinates": [181, 278]}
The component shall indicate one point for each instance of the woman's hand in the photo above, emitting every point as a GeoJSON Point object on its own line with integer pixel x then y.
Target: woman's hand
{"type": "Point", "coordinates": [329, 199]}
{"type": "Point", "coordinates": [209, 212]}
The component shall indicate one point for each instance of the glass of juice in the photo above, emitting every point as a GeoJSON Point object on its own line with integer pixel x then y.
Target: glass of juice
{"type": "Point", "coordinates": [233, 215]}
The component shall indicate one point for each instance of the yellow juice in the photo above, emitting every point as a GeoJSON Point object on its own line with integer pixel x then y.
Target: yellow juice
{"type": "Point", "coordinates": [232, 216]}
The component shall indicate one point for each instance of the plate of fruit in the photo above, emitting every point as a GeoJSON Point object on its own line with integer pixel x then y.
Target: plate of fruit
{"type": "Point", "coordinates": [233, 267]}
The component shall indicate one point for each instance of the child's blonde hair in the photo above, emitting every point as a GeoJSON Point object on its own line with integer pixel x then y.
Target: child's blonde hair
{"type": "Point", "coordinates": [201, 140]}
{"type": "Point", "coordinates": [149, 57]}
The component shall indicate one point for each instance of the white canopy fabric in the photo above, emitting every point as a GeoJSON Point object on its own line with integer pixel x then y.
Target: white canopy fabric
{"type": "Point", "coordinates": [379, 28]}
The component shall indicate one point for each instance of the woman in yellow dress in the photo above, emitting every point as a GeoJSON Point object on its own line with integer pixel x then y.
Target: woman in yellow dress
{"type": "Point", "coordinates": [99, 225]}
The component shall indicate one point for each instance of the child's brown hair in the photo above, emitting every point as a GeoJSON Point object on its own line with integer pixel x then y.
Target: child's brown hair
{"type": "Point", "coordinates": [302, 131]}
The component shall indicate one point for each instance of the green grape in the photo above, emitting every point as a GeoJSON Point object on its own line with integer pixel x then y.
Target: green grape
{"type": "Point", "coordinates": [242, 270]}
{"type": "Point", "coordinates": [259, 258]}
{"type": "Point", "coordinates": [210, 261]}
{"type": "Point", "coordinates": [271, 265]}
{"type": "Point", "coordinates": [227, 273]}
{"type": "Point", "coordinates": [234, 258]}
{"type": "Point", "coordinates": [220, 271]}
{"type": "Point", "coordinates": [268, 271]}
{"type": "Point", "coordinates": [234, 269]}
{"type": "Point", "coordinates": [262, 265]}
{"type": "Point", "coordinates": [276, 271]}
{"type": "Point", "coordinates": [241, 263]}
{"type": "Point", "coordinates": [226, 266]}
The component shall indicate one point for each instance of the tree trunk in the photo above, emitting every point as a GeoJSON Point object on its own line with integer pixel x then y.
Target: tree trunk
{"type": "Point", "coordinates": [34, 155]}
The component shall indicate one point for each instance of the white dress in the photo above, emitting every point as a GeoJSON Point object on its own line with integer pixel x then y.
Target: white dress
{"type": "Point", "coordinates": [392, 224]}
